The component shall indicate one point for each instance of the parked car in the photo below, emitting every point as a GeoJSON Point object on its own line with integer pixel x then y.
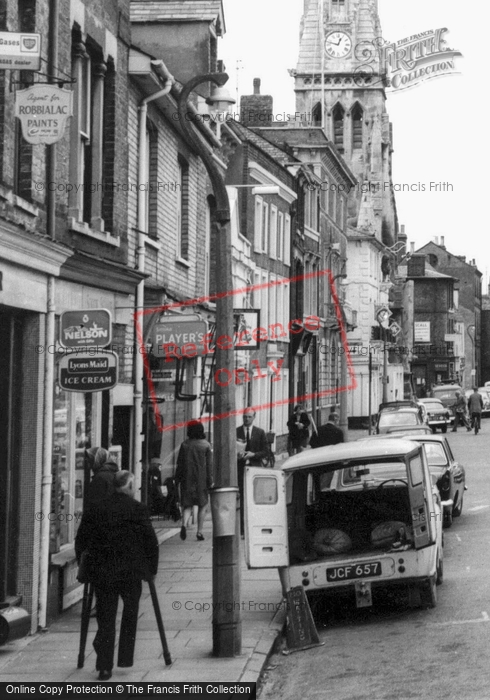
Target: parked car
{"type": "Point", "coordinates": [403, 417]}
{"type": "Point", "coordinates": [436, 415]}
{"type": "Point", "coordinates": [348, 518]}
{"type": "Point", "coordinates": [446, 393]}
{"type": "Point", "coordinates": [448, 475]}
{"type": "Point", "coordinates": [484, 392]}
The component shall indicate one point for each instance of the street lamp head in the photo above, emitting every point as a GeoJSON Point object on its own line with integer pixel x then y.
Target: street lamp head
{"type": "Point", "coordinates": [220, 99]}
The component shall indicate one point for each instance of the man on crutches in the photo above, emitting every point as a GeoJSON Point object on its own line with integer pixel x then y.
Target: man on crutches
{"type": "Point", "coordinates": [118, 537]}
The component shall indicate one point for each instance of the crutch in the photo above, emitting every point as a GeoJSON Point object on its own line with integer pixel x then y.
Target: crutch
{"type": "Point", "coordinates": [88, 594]}
{"type": "Point", "coordinates": [158, 616]}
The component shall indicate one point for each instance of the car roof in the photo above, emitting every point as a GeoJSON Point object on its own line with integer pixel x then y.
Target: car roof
{"type": "Point", "coordinates": [401, 409]}
{"type": "Point", "coordinates": [445, 387]}
{"type": "Point", "coordinates": [429, 400]}
{"type": "Point", "coordinates": [417, 437]}
{"type": "Point", "coordinates": [348, 451]}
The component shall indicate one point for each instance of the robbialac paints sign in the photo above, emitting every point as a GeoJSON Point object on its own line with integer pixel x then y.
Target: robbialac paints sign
{"type": "Point", "coordinates": [43, 111]}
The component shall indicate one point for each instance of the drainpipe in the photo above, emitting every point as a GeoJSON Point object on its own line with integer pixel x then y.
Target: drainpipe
{"type": "Point", "coordinates": [140, 265]}
{"type": "Point", "coordinates": [47, 477]}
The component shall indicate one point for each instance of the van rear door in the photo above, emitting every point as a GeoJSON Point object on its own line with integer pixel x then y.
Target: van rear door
{"type": "Point", "coordinates": [266, 529]}
{"type": "Point", "coordinates": [419, 492]}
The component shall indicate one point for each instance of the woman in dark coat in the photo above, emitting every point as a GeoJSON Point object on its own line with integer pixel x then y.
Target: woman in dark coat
{"type": "Point", "coordinates": [194, 475]}
{"type": "Point", "coordinates": [299, 433]}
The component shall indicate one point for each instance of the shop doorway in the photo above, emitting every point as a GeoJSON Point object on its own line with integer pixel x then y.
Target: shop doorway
{"type": "Point", "coordinates": [11, 326]}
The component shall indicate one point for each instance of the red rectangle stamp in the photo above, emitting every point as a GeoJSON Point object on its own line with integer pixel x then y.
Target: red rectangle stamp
{"type": "Point", "coordinates": [185, 336]}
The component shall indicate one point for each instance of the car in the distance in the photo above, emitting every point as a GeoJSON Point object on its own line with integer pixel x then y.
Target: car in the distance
{"type": "Point", "coordinates": [436, 415]}
{"type": "Point", "coordinates": [397, 418]}
{"type": "Point", "coordinates": [446, 393]}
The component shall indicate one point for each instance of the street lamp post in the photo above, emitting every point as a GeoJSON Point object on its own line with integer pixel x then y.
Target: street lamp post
{"type": "Point", "coordinates": [383, 316]}
{"type": "Point", "coordinates": [472, 335]}
{"type": "Point", "coordinates": [227, 626]}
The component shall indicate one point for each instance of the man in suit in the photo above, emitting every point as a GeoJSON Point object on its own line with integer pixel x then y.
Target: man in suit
{"type": "Point", "coordinates": [328, 434]}
{"type": "Point", "coordinates": [123, 551]}
{"type": "Point", "coordinates": [255, 450]}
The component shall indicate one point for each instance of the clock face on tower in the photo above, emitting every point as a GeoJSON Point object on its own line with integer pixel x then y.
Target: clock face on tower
{"type": "Point", "coordinates": [338, 44]}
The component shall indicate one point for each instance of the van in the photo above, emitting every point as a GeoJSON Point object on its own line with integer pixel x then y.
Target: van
{"type": "Point", "coordinates": [352, 517]}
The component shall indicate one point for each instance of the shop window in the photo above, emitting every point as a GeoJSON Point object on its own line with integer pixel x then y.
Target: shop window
{"type": "Point", "coordinates": [74, 430]}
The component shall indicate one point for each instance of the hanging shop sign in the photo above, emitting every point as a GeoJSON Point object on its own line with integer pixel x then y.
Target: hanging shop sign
{"type": "Point", "coordinates": [181, 337]}
{"type": "Point", "coordinates": [43, 111]}
{"type": "Point", "coordinates": [20, 51]}
{"type": "Point", "coordinates": [86, 328]}
{"type": "Point", "coordinates": [88, 372]}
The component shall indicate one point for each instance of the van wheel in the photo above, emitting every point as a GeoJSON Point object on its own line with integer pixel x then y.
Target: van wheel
{"type": "Point", "coordinates": [440, 572]}
{"type": "Point", "coordinates": [444, 429]}
{"type": "Point", "coordinates": [428, 593]}
{"type": "Point", "coordinates": [434, 429]}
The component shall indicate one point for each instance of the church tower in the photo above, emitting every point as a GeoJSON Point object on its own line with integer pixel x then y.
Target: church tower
{"type": "Point", "coordinates": [340, 85]}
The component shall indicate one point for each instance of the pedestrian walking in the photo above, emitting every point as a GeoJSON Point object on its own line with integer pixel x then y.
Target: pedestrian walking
{"type": "Point", "coordinates": [459, 407]}
{"type": "Point", "coordinates": [475, 408]}
{"type": "Point", "coordinates": [122, 551]}
{"type": "Point", "coordinates": [298, 426]}
{"type": "Point", "coordinates": [328, 434]}
{"type": "Point", "coordinates": [194, 475]}
{"type": "Point", "coordinates": [104, 470]}
{"type": "Point", "coordinates": [254, 451]}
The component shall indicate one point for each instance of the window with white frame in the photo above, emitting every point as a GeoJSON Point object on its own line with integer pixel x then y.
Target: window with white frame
{"type": "Point", "coordinates": [265, 227]}
{"type": "Point", "coordinates": [92, 136]}
{"type": "Point", "coordinates": [273, 232]}
{"type": "Point", "coordinates": [258, 225]}
{"type": "Point", "coordinates": [273, 317]}
{"type": "Point", "coordinates": [280, 236]}
{"type": "Point", "coordinates": [207, 250]}
{"type": "Point", "coordinates": [182, 194]}
{"type": "Point", "coordinates": [287, 239]}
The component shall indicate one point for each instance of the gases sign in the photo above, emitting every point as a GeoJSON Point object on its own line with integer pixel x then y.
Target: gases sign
{"type": "Point", "coordinates": [86, 328]}
{"type": "Point", "coordinates": [43, 111]}
{"type": "Point", "coordinates": [88, 372]}
{"type": "Point", "coordinates": [20, 51]}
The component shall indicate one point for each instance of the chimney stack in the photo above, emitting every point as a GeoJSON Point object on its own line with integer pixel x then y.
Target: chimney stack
{"type": "Point", "coordinates": [412, 247]}
{"type": "Point", "coordinates": [416, 266]}
{"type": "Point", "coordinates": [442, 242]}
{"type": "Point", "coordinates": [256, 109]}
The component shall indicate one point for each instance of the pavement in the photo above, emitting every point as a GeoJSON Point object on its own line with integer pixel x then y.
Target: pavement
{"type": "Point", "coordinates": [184, 587]}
